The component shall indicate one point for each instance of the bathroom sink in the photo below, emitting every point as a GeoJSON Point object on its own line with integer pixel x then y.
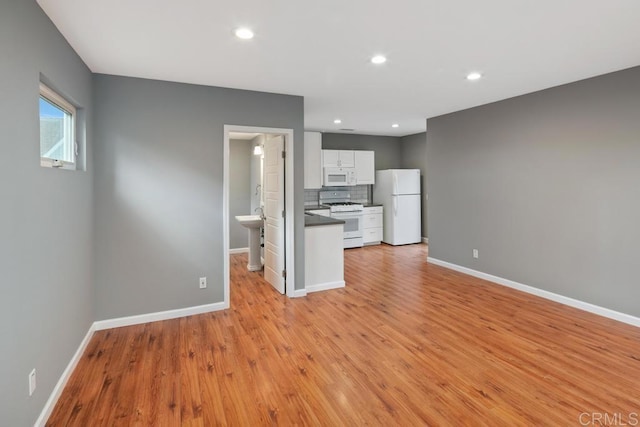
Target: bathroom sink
{"type": "Point", "coordinates": [250, 221]}
{"type": "Point", "coordinates": [253, 223]}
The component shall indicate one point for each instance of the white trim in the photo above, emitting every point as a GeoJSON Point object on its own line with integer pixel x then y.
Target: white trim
{"type": "Point", "coordinates": [225, 216]}
{"type": "Point", "coordinates": [58, 100]}
{"type": "Point", "coordinates": [592, 308]}
{"type": "Point", "coordinates": [299, 293]}
{"type": "Point", "coordinates": [291, 217]}
{"type": "Point", "coordinates": [425, 240]}
{"type": "Point", "coordinates": [56, 164]}
{"type": "Point", "coordinates": [325, 286]}
{"type": "Point", "coordinates": [289, 203]}
{"type": "Point", "coordinates": [160, 315]}
{"type": "Point", "coordinates": [238, 251]}
{"type": "Point", "coordinates": [62, 382]}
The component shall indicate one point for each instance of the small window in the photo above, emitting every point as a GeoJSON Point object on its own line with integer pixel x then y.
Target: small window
{"type": "Point", "coordinates": [58, 148]}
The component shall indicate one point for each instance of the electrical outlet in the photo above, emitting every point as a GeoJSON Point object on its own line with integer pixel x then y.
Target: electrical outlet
{"type": "Point", "coordinates": [203, 282]}
{"type": "Point", "coordinates": [475, 253]}
{"type": "Point", "coordinates": [32, 382]}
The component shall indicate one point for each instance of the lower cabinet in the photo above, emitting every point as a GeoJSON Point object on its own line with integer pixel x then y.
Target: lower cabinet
{"type": "Point", "coordinates": [372, 225]}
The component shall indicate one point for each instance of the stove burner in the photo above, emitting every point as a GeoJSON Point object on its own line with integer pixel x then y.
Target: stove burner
{"type": "Point", "coordinates": [339, 201]}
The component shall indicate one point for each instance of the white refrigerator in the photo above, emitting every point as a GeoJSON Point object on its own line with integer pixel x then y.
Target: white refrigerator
{"type": "Point", "coordinates": [398, 190]}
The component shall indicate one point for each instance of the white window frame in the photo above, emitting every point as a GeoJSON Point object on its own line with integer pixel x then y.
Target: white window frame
{"type": "Point", "coordinates": [55, 98]}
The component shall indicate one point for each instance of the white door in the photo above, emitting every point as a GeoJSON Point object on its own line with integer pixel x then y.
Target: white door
{"type": "Point", "coordinates": [274, 207]}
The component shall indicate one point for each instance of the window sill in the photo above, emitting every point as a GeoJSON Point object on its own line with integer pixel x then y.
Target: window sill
{"type": "Point", "coordinates": [57, 164]}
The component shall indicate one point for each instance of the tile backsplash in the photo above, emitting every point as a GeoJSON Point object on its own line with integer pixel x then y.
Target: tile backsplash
{"type": "Point", "coordinates": [359, 194]}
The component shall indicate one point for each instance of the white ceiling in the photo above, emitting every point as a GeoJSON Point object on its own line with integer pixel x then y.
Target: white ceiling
{"type": "Point", "coordinates": [321, 50]}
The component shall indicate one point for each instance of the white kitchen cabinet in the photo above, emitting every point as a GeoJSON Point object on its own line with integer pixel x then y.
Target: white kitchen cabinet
{"type": "Point", "coordinates": [372, 225]}
{"type": "Point", "coordinates": [322, 212]}
{"type": "Point", "coordinates": [365, 167]}
{"type": "Point", "coordinates": [338, 159]}
{"type": "Point", "coordinates": [312, 160]}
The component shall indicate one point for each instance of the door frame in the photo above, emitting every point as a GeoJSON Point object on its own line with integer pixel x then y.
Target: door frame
{"type": "Point", "coordinates": [288, 205]}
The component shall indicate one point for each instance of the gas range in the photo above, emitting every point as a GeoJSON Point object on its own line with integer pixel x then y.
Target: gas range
{"type": "Point", "coordinates": [339, 201]}
{"type": "Point", "coordinates": [341, 207]}
{"type": "Point", "coordinates": [344, 206]}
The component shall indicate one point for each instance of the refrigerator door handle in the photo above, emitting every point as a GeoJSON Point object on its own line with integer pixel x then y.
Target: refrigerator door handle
{"type": "Point", "coordinates": [395, 205]}
{"type": "Point", "coordinates": [395, 183]}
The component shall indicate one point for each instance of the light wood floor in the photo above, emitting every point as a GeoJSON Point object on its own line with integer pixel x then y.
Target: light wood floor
{"type": "Point", "coordinates": [405, 343]}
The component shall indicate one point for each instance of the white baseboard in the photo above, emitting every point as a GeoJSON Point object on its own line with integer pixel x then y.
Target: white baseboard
{"type": "Point", "coordinates": [62, 382]}
{"type": "Point", "coordinates": [325, 286]}
{"type": "Point", "coordinates": [299, 293]}
{"type": "Point", "coordinates": [238, 251]}
{"type": "Point", "coordinates": [592, 308]}
{"type": "Point", "coordinates": [161, 315]}
{"type": "Point", "coordinates": [425, 240]}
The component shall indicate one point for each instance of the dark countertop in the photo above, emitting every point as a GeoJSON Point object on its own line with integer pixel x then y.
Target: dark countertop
{"type": "Point", "coordinates": [312, 220]}
{"type": "Point", "coordinates": [315, 207]}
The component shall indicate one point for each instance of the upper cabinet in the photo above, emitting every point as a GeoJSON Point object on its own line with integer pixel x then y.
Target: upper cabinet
{"type": "Point", "coordinates": [338, 158]}
{"type": "Point", "coordinates": [363, 162]}
{"type": "Point", "coordinates": [312, 160]}
{"type": "Point", "coordinates": [365, 167]}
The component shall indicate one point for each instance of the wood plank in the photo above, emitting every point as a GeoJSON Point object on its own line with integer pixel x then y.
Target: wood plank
{"type": "Point", "coordinates": [404, 343]}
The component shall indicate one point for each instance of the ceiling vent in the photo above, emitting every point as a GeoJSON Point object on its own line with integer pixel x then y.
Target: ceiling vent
{"type": "Point", "coordinates": [348, 130]}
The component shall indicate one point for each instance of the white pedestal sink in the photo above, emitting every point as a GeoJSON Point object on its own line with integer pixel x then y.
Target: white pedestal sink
{"type": "Point", "coordinates": [253, 223]}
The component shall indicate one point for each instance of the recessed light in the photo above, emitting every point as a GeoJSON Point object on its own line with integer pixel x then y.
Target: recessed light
{"type": "Point", "coordinates": [473, 76]}
{"type": "Point", "coordinates": [395, 125]}
{"type": "Point", "coordinates": [378, 59]}
{"type": "Point", "coordinates": [244, 33]}
{"type": "Point", "coordinates": [337, 121]}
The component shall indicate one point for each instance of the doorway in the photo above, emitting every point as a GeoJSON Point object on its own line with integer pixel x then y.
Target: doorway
{"type": "Point", "coordinates": [275, 198]}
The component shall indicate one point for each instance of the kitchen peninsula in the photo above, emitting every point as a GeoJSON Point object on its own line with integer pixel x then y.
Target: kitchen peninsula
{"type": "Point", "coordinates": [324, 253]}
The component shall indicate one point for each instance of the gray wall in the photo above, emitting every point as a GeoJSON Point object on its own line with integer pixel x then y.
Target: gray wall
{"type": "Point", "coordinates": [158, 192]}
{"type": "Point", "coordinates": [413, 153]}
{"type": "Point", "coordinates": [387, 148]}
{"type": "Point", "coordinates": [45, 220]}
{"type": "Point", "coordinates": [546, 187]}
{"type": "Point", "coordinates": [240, 191]}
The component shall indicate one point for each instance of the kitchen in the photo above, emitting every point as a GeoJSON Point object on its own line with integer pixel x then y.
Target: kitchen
{"type": "Point", "coordinates": [356, 220]}
{"type": "Point", "coordinates": [142, 221]}
{"type": "Point", "coordinates": [346, 182]}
